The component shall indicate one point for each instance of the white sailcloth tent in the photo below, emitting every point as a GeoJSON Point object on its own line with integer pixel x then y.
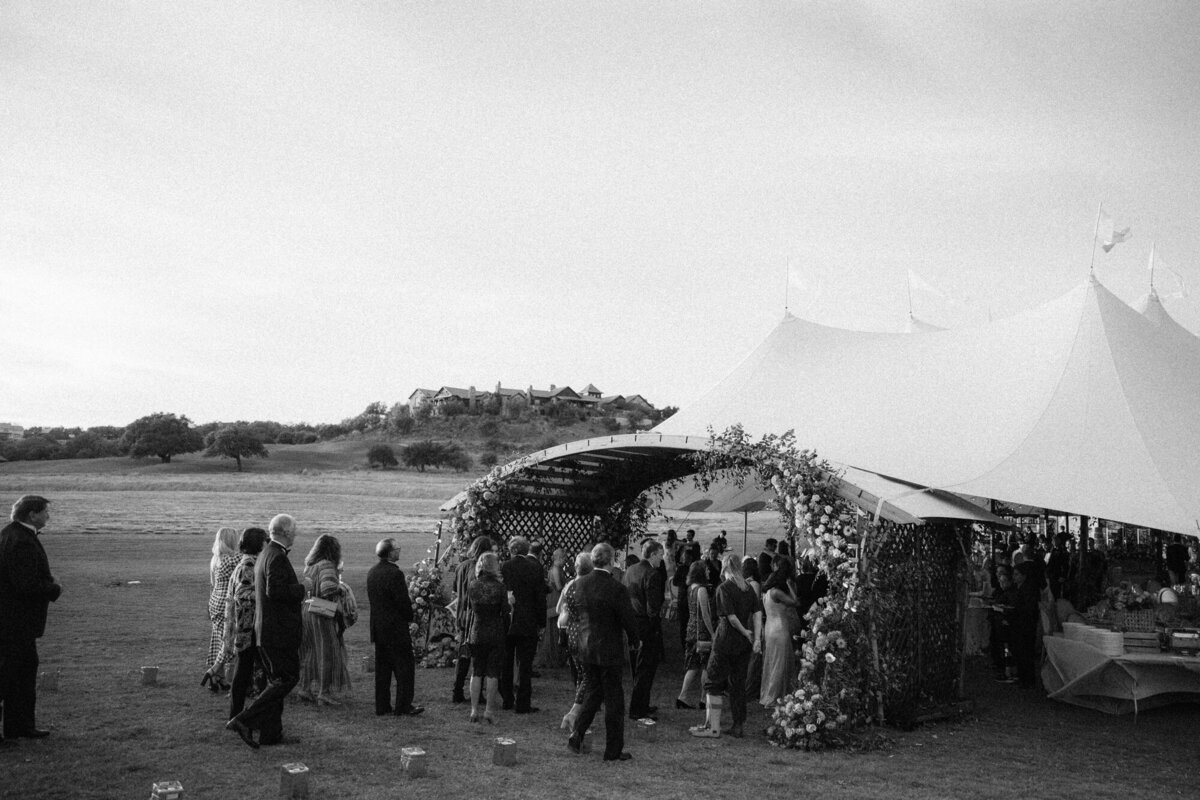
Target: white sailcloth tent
{"type": "Point", "coordinates": [1082, 405]}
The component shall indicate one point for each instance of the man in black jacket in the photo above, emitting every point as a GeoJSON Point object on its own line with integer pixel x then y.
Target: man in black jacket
{"type": "Point", "coordinates": [391, 614]}
{"type": "Point", "coordinates": [278, 629]}
{"type": "Point", "coordinates": [605, 613]}
{"type": "Point", "coordinates": [26, 590]}
{"type": "Point", "coordinates": [646, 582]}
{"type": "Point", "coordinates": [526, 582]}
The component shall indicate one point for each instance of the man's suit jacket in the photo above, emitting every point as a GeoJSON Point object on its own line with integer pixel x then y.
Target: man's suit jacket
{"type": "Point", "coordinates": [605, 612]}
{"type": "Point", "coordinates": [646, 585]}
{"type": "Point", "coordinates": [279, 597]}
{"type": "Point", "coordinates": [391, 607]}
{"type": "Point", "coordinates": [765, 569]}
{"type": "Point", "coordinates": [524, 577]}
{"type": "Point", "coordinates": [26, 586]}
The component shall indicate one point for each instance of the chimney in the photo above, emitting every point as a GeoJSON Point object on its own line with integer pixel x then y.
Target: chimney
{"type": "Point", "coordinates": [553, 387]}
{"type": "Point", "coordinates": [471, 398]}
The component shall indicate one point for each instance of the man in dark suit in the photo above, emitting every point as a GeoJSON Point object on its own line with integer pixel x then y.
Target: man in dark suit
{"type": "Point", "coordinates": [526, 582]}
{"type": "Point", "coordinates": [26, 591]}
{"type": "Point", "coordinates": [277, 626]}
{"type": "Point", "coordinates": [646, 582]}
{"type": "Point", "coordinates": [605, 613]}
{"type": "Point", "coordinates": [391, 613]}
{"type": "Point", "coordinates": [766, 559]}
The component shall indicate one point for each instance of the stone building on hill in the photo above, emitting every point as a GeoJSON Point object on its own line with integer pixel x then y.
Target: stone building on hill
{"type": "Point", "coordinates": [590, 398]}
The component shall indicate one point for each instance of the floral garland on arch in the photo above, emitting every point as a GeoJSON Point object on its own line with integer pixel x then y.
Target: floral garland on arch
{"type": "Point", "coordinates": [480, 505]}
{"type": "Point", "coordinates": [840, 682]}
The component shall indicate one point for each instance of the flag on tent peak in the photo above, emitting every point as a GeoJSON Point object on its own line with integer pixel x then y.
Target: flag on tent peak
{"type": "Point", "coordinates": [1109, 235]}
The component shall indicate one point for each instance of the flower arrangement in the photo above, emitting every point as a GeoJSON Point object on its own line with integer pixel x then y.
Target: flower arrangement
{"type": "Point", "coordinates": [1128, 597]}
{"type": "Point", "coordinates": [809, 720]}
{"type": "Point", "coordinates": [425, 587]}
{"type": "Point", "coordinates": [480, 505]}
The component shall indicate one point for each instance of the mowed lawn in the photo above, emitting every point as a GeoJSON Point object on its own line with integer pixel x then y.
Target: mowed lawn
{"type": "Point", "coordinates": [113, 737]}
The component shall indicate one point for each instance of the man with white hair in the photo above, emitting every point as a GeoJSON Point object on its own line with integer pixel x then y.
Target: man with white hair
{"type": "Point", "coordinates": [278, 630]}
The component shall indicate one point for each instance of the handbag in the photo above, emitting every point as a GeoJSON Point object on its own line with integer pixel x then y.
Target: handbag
{"type": "Point", "coordinates": [704, 646]}
{"type": "Point", "coordinates": [322, 607]}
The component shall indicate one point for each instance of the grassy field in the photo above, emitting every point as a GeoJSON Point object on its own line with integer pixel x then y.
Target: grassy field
{"type": "Point", "coordinates": [113, 737]}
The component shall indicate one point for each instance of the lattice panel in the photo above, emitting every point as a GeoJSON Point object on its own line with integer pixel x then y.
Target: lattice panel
{"type": "Point", "coordinates": [554, 525]}
{"type": "Point", "coordinates": [917, 567]}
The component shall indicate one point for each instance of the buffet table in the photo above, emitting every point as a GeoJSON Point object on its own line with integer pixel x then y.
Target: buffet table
{"type": "Point", "coordinates": [1078, 673]}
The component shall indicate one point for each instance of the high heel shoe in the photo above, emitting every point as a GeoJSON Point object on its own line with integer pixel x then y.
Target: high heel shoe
{"type": "Point", "coordinates": [681, 704]}
{"type": "Point", "coordinates": [474, 717]}
{"type": "Point", "coordinates": [488, 718]}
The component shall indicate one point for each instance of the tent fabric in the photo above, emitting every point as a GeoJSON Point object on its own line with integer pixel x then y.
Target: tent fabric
{"type": "Point", "coordinates": [1082, 405]}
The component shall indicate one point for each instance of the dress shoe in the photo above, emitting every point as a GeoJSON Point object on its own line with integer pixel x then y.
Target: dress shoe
{"type": "Point", "coordinates": [33, 733]}
{"type": "Point", "coordinates": [458, 698]}
{"type": "Point", "coordinates": [636, 717]}
{"type": "Point", "coordinates": [239, 727]}
{"type": "Point", "coordinates": [737, 732]}
{"type": "Point", "coordinates": [530, 710]}
{"type": "Point", "coordinates": [621, 757]}
{"type": "Point", "coordinates": [411, 711]}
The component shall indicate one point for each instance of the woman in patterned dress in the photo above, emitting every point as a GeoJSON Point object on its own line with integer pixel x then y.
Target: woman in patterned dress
{"type": "Point", "coordinates": [220, 567]}
{"type": "Point", "coordinates": [701, 624]}
{"type": "Point", "coordinates": [568, 619]}
{"type": "Point", "coordinates": [464, 575]}
{"type": "Point", "coordinates": [322, 655]}
{"type": "Point", "coordinates": [240, 644]}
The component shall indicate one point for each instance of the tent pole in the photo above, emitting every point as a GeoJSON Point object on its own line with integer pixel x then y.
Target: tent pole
{"type": "Point", "coordinates": [745, 532]}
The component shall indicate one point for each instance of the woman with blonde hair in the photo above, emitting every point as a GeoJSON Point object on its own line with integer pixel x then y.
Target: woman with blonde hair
{"type": "Point", "coordinates": [322, 655]}
{"type": "Point", "coordinates": [489, 602]}
{"type": "Point", "coordinates": [225, 557]}
{"type": "Point", "coordinates": [739, 634]}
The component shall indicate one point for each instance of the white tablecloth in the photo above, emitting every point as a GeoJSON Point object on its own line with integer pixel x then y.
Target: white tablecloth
{"type": "Point", "coordinates": [1075, 672]}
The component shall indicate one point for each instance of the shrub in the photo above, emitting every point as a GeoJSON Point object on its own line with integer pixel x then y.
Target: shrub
{"type": "Point", "coordinates": [489, 460]}
{"type": "Point", "coordinates": [382, 455]}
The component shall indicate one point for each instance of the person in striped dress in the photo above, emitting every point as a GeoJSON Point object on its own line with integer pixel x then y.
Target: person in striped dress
{"type": "Point", "coordinates": [225, 557]}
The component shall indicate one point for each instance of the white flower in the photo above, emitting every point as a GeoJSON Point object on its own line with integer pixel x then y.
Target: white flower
{"type": "Point", "coordinates": [830, 658]}
{"type": "Point", "coordinates": [810, 728]}
{"type": "Point", "coordinates": [828, 509]}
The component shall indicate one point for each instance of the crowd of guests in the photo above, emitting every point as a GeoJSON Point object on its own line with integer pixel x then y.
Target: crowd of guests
{"type": "Point", "coordinates": [273, 631]}
{"type": "Point", "coordinates": [736, 629]}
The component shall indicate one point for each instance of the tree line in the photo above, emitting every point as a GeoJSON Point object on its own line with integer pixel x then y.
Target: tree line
{"type": "Point", "coordinates": [163, 435]}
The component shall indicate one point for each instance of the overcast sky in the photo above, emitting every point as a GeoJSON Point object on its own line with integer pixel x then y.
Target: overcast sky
{"type": "Point", "coordinates": [287, 210]}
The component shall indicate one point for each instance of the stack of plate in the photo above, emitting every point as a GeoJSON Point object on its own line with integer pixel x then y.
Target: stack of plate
{"type": "Point", "coordinates": [1111, 643]}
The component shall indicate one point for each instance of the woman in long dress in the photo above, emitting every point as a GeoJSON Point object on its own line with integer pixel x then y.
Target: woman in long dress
{"type": "Point", "coordinates": [225, 557]}
{"type": "Point", "coordinates": [322, 654]}
{"type": "Point", "coordinates": [549, 655]}
{"type": "Point", "coordinates": [779, 659]}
